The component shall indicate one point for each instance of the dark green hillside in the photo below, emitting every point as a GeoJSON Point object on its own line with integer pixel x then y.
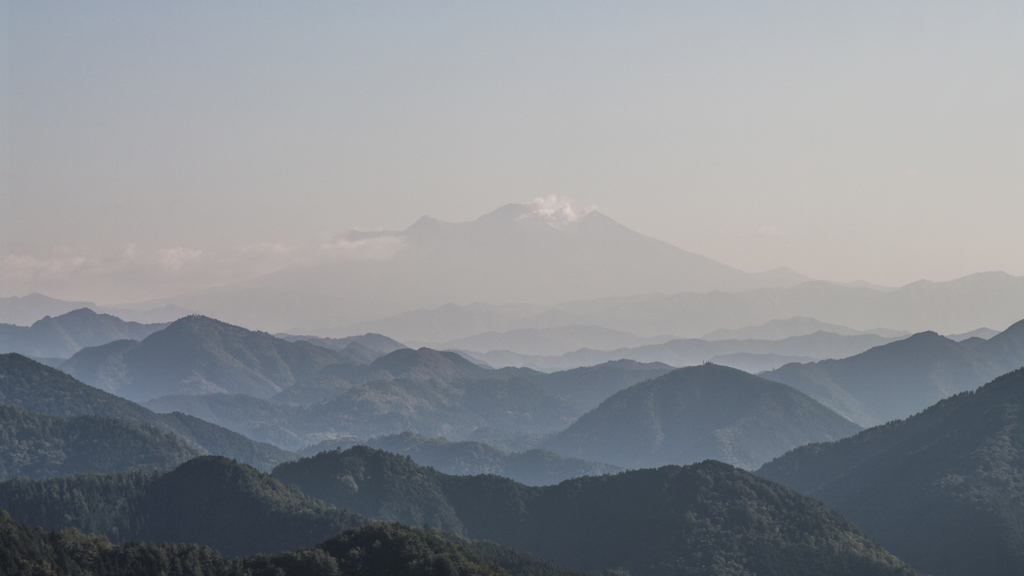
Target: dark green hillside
{"type": "Point", "coordinates": [897, 380]}
{"type": "Point", "coordinates": [209, 500]}
{"type": "Point", "coordinates": [697, 413]}
{"type": "Point", "coordinates": [237, 510]}
{"type": "Point", "coordinates": [199, 355]}
{"type": "Point", "coordinates": [943, 489]}
{"type": "Point", "coordinates": [38, 388]}
{"type": "Point", "coordinates": [375, 484]}
{"type": "Point", "coordinates": [37, 446]}
{"type": "Point", "coordinates": [707, 518]}
{"type": "Point", "coordinates": [62, 336]}
{"type": "Point", "coordinates": [367, 551]}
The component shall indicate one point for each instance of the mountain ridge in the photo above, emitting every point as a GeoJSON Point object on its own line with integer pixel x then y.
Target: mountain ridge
{"type": "Point", "coordinates": [698, 413]}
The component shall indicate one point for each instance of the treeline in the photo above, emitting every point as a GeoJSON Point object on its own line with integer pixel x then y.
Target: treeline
{"type": "Point", "coordinates": [707, 518]}
{"type": "Point", "coordinates": [28, 384]}
{"type": "Point", "coordinates": [210, 500]}
{"type": "Point", "coordinates": [38, 446]}
{"type": "Point", "coordinates": [372, 550]}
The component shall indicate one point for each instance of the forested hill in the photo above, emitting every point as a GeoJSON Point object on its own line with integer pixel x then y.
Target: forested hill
{"type": "Point", "coordinates": [700, 412]}
{"type": "Point", "coordinates": [209, 500]}
{"type": "Point", "coordinates": [902, 378]}
{"type": "Point", "coordinates": [38, 388]}
{"type": "Point", "coordinates": [708, 518]}
{"type": "Point", "coordinates": [373, 550]}
{"type": "Point", "coordinates": [943, 489]}
{"type": "Point", "coordinates": [38, 446]}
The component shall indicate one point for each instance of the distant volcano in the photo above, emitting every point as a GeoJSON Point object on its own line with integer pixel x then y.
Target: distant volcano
{"type": "Point", "coordinates": [529, 253]}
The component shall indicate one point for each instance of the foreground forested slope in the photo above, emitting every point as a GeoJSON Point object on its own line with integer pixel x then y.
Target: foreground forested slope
{"type": "Point", "coordinates": [943, 489]}
{"type": "Point", "coordinates": [38, 446]}
{"type": "Point", "coordinates": [708, 518]}
{"type": "Point", "coordinates": [44, 390]}
{"type": "Point", "coordinates": [368, 551]}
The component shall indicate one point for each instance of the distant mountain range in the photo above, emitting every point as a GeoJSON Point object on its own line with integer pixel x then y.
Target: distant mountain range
{"type": "Point", "coordinates": [790, 327]}
{"type": "Point", "coordinates": [902, 378]}
{"type": "Point", "coordinates": [549, 341]}
{"type": "Point", "coordinates": [993, 299]}
{"type": "Point", "coordinates": [941, 489]}
{"type": "Point", "coordinates": [62, 336]}
{"type": "Point", "coordinates": [27, 310]}
{"type": "Point", "coordinates": [424, 391]}
{"type": "Point", "coordinates": [533, 467]}
{"type": "Point", "coordinates": [699, 413]}
{"type": "Point", "coordinates": [743, 354]}
{"type": "Point", "coordinates": [37, 388]}
{"type": "Point", "coordinates": [708, 518]}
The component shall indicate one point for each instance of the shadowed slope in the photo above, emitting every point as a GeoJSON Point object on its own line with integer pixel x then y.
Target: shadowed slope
{"type": "Point", "coordinates": [943, 489]}
{"type": "Point", "coordinates": [696, 413]}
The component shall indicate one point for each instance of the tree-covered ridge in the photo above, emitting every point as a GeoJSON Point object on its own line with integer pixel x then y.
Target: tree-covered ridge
{"type": "Point", "coordinates": [38, 446]}
{"type": "Point", "coordinates": [902, 378]}
{"type": "Point", "coordinates": [707, 518]}
{"type": "Point", "coordinates": [943, 489]}
{"type": "Point", "coordinates": [210, 500]}
{"type": "Point", "coordinates": [371, 550]}
{"type": "Point", "coordinates": [213, 502]}
{"type": "Point", "coordinates": [38, 388]}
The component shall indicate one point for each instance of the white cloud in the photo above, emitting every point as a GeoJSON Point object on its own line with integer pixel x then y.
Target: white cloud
{"type": "Point", "coordinates": [556, 210]}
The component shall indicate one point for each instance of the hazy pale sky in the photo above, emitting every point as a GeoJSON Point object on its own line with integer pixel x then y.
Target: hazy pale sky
{"type": "Point", "coordinates": [188, 143]}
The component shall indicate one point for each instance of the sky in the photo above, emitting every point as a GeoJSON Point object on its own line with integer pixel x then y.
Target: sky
{"type": "Point", "coordinates": [152, 148]}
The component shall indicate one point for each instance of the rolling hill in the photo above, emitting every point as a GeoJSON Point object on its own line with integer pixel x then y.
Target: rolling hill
{"type": "Point", "coordinates": [381, 407]}
{"type": "Point", "coordinates": [423, 391]}
{"type": "Point", "coordinates": [697, 413]}
{"type": "Point", "coordinates": [902, 378]}
{"type": "Point", "coordinates": [707, 518]}
{"type": "Point", "coordinates": [38, 388]}
{"type": "Point", "coordinates": [532, 467]}
{"type": "Point", "coordinates": [199, 355]}
{"type": "Point", "coordinates": [942, 489]}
